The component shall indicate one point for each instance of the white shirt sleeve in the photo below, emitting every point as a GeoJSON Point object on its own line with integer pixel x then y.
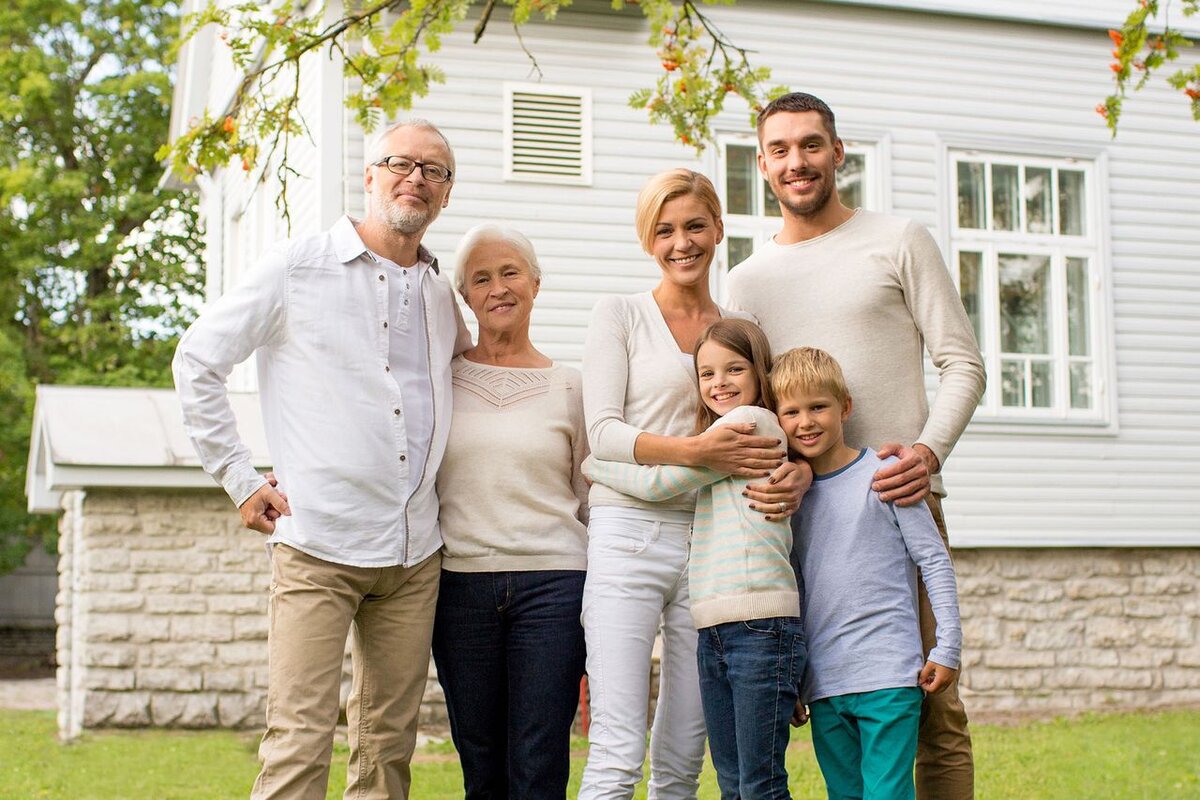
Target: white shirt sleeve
{"type": "Point", "coordinates": [226, 333]}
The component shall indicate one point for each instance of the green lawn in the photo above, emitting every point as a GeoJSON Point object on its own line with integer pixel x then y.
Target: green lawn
{"type": "Point", "coordinates": [1117, 756]}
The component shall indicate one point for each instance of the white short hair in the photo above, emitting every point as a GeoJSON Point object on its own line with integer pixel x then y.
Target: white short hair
{"type": "Point", "coordinates": [377, 151]}
{"type": "Point", "coordinates": [487, 233]}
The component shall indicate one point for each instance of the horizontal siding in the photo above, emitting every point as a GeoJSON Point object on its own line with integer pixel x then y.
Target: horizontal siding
{"type": "Point", "coordinates": [928, 82]}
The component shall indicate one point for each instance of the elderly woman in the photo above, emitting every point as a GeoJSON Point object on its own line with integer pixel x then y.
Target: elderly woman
{"type": "Point", "coordinates": [640, 397]}
{"type": "Point", "coordinates": [507, 638]}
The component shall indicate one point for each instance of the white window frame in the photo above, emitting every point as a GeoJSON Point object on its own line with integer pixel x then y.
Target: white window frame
{"type": "Point", "coordinates": [586, 131]}
{"type": "Point", "coordinates": [761, 228]}
{"type": "Point", "coordinates": [1092, 245]}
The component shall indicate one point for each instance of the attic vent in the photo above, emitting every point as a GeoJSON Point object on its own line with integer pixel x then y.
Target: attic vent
{"type": "Point", "coordinates": [547, 134]}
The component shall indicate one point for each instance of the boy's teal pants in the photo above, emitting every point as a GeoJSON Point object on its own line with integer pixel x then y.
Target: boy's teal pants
{"type": "Point", "coordinates": [866, 743]}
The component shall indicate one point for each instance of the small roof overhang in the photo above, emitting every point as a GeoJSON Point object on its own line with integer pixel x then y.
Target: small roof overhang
{"type": "Point", "coordinates": [92, 436]}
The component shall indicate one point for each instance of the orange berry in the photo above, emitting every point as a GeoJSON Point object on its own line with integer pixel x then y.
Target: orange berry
{"type": "Point", "coordinates": [1116, 37]}
{"type": "Point", "coordinates": [229, 125]}
{"type": "Point", "coordinates": [670, 66]}
{"type": "Point", "coordinates": [1192, 93]}
{"type": "Point", "coordinates": [1102, 109]}
{"type": "Point", "coordinates": [245, 164]}
{"type": "Point", "coordinates": [1115, 67]}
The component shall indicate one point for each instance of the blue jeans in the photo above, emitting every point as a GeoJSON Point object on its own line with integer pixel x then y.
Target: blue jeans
{"type": "Point", "coordinates": [749, 682]}
{"type": "Point", "coordinates": [510, 654]}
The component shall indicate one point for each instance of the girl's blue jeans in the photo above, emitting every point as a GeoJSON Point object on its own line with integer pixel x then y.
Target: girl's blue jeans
{"type": "Point", "coordinates": [749, 682]}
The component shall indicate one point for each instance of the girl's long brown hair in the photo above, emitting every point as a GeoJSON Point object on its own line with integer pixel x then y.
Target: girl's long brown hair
{"type": "Point", "coordinates": [748, 341]}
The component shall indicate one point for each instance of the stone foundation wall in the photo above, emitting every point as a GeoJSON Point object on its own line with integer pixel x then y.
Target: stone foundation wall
{"type": "Point", "coordinates": [162, 620]}
{"type": "Point", "coordinates": [1074, 629]}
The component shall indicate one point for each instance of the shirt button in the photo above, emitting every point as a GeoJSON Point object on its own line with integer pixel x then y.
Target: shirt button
{"type": "Point", "coordinates": [385, 324]}
{"type": "Point", "coordinates": [382, 278]}
{"type": "Point", "coordinates": [396, 411]}
{"type": "Point", "coordinates": [405, 302]}
{"type": "Point", "coordinates": [403, 457]}
{"type": "Point", "coordinates": [387, 368]}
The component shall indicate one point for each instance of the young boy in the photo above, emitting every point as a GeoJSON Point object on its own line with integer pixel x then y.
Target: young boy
{"type": "Point", "coordinates": [856, 562]}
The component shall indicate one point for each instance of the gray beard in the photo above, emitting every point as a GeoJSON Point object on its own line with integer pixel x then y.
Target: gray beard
{"type": "Point", "coordinates": [402, 219]}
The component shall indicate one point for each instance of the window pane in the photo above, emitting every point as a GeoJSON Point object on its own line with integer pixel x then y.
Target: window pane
{"type": "Point", "coordinates": [1041, 383]}
{"type": "Point", "coordinates": [741, 172]}
{"type": "Point", "coordinates": [971, 202]}
{"type": "Point", "coordinates": [1005, 194]}
{"type": "Point", "coordinates": [740, 248]}
{"type": "Point", "coordinates": [1070, 202]}
{"type": "Point", "coordinates": [1024, 303]}
{"type": "Point", "coordinates": [770, 201]}
{"type": "Point", "coordinates": [1078, 336]}
{"type": "Point", "coordinates": [850, 180]}
{"type": "Point", "coordinates": [969, 267]}
{"type": "Point", "coordinates": [1012, 383]}
{"type": "Point", "coordinates": [1039, 216]}
{"type": "Point", "coordinates": [1081, 385]}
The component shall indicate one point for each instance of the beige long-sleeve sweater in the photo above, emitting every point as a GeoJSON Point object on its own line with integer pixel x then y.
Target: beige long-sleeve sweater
{"type": "Point", "coordinates": [874, 293]}
{"type": "Point", "coordinates": [511, 490]}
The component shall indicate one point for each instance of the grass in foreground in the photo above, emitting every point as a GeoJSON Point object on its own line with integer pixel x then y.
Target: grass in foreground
{"type": "Point", "coordinates": [1099, 757]}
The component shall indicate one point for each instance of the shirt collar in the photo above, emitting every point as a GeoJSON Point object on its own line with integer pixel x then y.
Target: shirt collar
{"type": "Point", "coordinates": [348, 245]}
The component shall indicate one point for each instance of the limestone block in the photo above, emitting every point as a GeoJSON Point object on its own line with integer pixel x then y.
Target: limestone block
{"type": "Point", "coordinates": [107, 628]}
{"type": "Point", "coordinates": [1053, 565]}
{"type": "Point", "coordinates": [982, 586]}
{"type": "Point", "coordinates": [202, 628]}
{"type": "Point", "coordinates": [1018, 659]}
{"type": "Point", "coordinates": [1145, 658]}
{"type": "Point", "coordinates": [164, 583]}
{"type": "Point", "coordinates": [177, 604]}
{"type": "Point", "coordinates": [224, 583]}
{"type": "Point", "coordinates": [1033, 591]}
{"type": "Point", "coordinates": [243, 653]}
{"type": "Point", "coordinates": [1168, 633]}
{"type": "Point", "coordinates": [1189, 657]}
{"type": "Point", "coordinates": [1101, 678]}
{"type": "Point", "coordinates": [99, 708]}
{"type": "Point", "coordinates": [1030, 611]}
{"type": "Point", "coordinates": [169, 679]}
{"type": "Point", "coordinates": [111, 601]}
{"type": "Point", "coordinates": [110, 655]}
{"type": "Point", "coordinates": [99, 527]}
{"type": "Point", "coordinates": [102, 502]}
{"type": "Point", "coordinates": [981, 631]}
{"type": "Point", "coordinates": [971, 658]}
{"type": "Point", "coordinates": [259, 675]}
{"type": "Point", "coordinates": [175, 561]}
{"type": "Point", "coordinates": [992, 679]}
{"type": "Point", "coordinates": [1089, 588]}
{"type": "Point", "coordinates": [251, 561]}
{"type": "Point", "coordinates": [241, 710]}
{"type": "Point", "coordinates": [229, 679]}
{"type": "Point", "coordinates": [238, 604]}
{"type": "Point", "coordinates": [106, 582]}
{"type": "Point", "coordinates": [118, 680]}
{"type": "Point", "coordinates": [1147, 609]}
{"type": "Point", "coordinates": [183, 654]}
{"type": "Point", "coordinates": [182, 502]}
{"type": "Point", "coordinates": [251, 627]}
{"type": "Point", "coordinates": [199, 711]}
{"type": "Point", "coordinates": [1110, 632]}
{"type": "Point", "coordinates": [133, 710]}
{"type": "Point", "coordinates": [144, 628]}
{"type": "Point", "coordinates": [1162, 562]}
{"type": "Point", "coordinates": [166, 708]}
{"type": "Point", "coordinates": [1170, 585]}
{"type": "Point", "coordinates": [104, 560]}
{"type": "Point", "coordinates": [1087, 657]}
{"type": "Point", "coordinates": [1054, 635]}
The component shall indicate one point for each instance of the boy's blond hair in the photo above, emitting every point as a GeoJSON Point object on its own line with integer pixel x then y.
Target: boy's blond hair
{"type": "Point", "coordinates": [807, 369]}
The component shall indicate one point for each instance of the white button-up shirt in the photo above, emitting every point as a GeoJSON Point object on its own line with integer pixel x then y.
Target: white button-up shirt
{"type": "Point", "coordinates": [316, 312]}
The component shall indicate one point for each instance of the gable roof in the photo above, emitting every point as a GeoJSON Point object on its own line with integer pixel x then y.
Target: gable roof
{"type": "Point", "coordinates": [92, 436]}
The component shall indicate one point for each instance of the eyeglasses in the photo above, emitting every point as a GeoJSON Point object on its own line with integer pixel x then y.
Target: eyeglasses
{"type": "Point", "coordinates": [399, 165]}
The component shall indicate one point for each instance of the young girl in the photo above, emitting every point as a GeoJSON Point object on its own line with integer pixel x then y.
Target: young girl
{"type": "Point", "coordinates": [743, 589]}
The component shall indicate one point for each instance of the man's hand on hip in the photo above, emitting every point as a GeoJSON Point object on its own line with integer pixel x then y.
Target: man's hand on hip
{"type": "Point", "coordinates": [262, 508]}
{"type": "Point", "coordinates": [905, 482]}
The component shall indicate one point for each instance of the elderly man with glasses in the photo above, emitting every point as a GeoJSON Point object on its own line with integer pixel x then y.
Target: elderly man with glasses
{"type": "Point", "coordinates": [353, 329]}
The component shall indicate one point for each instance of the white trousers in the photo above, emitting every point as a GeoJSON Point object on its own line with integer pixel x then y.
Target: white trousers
{"type": "Point", "coordinates": [636, 586]}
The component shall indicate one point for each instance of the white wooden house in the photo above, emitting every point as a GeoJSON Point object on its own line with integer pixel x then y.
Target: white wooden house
{"type": "Point", "coordinates": [1074, 499]}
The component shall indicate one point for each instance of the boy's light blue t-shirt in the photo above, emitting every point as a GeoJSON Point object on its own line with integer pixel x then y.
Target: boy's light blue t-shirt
{"type": "Point", "coordinates": [856, 562]}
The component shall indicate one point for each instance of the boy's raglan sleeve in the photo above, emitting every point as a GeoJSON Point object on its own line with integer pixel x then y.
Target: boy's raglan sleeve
{"type": "Point", "coordinates": [925, 547]}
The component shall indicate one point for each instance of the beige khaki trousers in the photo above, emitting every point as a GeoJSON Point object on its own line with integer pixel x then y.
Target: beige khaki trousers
{"type": "Point", "coordinates": [945, 765]}
{"type": "Point", "coordinates": [314, 604]}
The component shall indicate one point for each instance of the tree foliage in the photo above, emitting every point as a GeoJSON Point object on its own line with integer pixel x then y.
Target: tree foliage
{"type": "Point", "coordinates": [96, 261]}
{"type": "Point", "coordinates": [383, 45]}
{"type": "Point", "coordinates": [1145, 44]}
